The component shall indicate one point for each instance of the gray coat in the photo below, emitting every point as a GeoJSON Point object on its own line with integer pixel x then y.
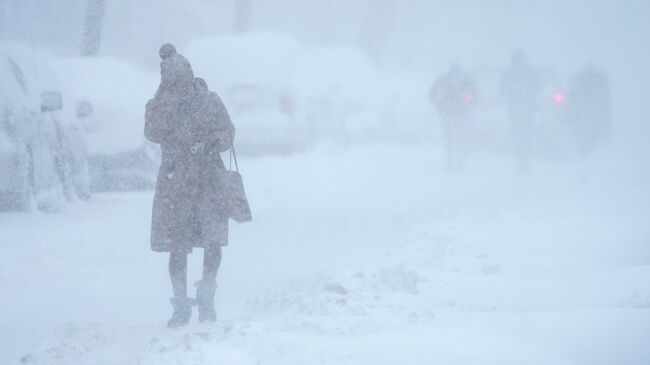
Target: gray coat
{"type": "Point", "coordinates": [191, 127]}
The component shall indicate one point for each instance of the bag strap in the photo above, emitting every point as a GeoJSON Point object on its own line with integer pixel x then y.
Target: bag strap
{"type": "Point", "coordinates": [233, 155]}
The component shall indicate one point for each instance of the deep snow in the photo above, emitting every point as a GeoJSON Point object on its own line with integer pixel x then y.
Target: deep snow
{"type": "Point", "coordinates": [364, 255]}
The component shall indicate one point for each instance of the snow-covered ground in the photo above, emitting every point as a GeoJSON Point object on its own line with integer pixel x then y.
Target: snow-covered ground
{"type": "Point", "coordinates": [364, 255]}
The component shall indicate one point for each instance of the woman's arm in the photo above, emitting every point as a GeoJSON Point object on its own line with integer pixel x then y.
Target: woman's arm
{"type": "Point", "coordinates": [222, 132]}
{"type": "Point", "coordinates": [164, 122]}
{"type": "Point", "coordinates": [156, 126]}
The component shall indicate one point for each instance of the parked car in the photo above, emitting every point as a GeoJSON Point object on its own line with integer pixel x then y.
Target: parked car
{"type": "Point", "coordinates": [284, 96]}
{"type": "Point", "coordinates": [42, 155]}
{"type": "Point", "coordinates": [255, 76]}
{"type": "Point", "coordinates": [109, 96]}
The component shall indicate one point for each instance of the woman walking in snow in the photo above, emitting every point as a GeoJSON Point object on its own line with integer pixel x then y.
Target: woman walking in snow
{"type": "Point", "coordinates": [192, 126]}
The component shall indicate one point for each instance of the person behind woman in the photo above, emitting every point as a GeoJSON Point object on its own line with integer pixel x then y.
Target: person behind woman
{"type": "Point", "coordinates": [192, 126]}
{"type": "Point", "coordinates": [454, 95]}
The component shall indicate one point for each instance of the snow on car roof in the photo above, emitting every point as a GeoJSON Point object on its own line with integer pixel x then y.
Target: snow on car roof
{"type": "Point", "coordinates": [346, 68]}
{"type": "Point", "coordinates": [277, 61]}
{"type": "Point", "coordinates": [261, 58]}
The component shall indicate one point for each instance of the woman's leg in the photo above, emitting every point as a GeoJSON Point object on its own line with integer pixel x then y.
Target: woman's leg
{"type": "Point", "coordinates": [207, 287]}
{"type": "Point", "coordinates": [182, 304]}
{"type": "Point", "coordinates": [178, 273]}
{"type": "Point", "coordinates": [211, 262]}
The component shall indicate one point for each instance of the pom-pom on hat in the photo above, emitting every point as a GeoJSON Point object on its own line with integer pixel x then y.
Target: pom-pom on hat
{"type": "Point", "coordinates": [167, 50]}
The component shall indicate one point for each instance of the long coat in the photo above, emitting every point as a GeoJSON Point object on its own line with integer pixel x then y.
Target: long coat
{"type": "Point", "coordinates": [188, 207]}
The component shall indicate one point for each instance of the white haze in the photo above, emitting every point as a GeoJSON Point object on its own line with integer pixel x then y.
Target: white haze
{"type": "Point", "coordinates": [362, 249]}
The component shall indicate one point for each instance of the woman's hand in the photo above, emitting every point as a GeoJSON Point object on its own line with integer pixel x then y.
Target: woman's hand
{"type": "Point", "coordinates": [215, 138]}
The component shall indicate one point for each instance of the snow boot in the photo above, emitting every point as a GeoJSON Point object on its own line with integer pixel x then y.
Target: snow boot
{"type": "Point", "coordinates": [182, 312]}
{"type": "Point", "coordinates": [205, 291]}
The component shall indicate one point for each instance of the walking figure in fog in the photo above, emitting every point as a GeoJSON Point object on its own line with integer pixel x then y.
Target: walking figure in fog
{"type": "Point", "coordinates": [454, 95]}
{"type": "Point", "coordinates": [192, 126]}
{"type": "Point", "coordinates": [520, 87]}
{"type": "Point", "coordinates": [589, 109]}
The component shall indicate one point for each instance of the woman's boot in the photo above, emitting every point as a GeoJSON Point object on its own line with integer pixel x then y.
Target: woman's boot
{"type": "Point", "coordinates": [182, 312]}
{"type": "Point", "coordinates": [205, 291]}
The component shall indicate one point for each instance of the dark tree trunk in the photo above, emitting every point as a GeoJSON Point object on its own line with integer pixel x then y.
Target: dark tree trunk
{"type": "Point", "coordinates": [92, 32]}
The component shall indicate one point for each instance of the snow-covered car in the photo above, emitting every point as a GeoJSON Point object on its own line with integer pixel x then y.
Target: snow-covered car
{"type": "Point", "coordinates": [254, 75]}
{"type": "Point", "coordinates": [110, 95]}
{"type": "Point", "coordinates": [344, 94]}
{"type": "Point", "coordinates": [284, 96]}
{"type": "Point", "coordinates": [265, 119]}
{"type": "Point", "coordinates": [42, 155]}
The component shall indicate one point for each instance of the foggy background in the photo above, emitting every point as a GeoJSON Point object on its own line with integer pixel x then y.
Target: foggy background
{"type": "Point", "coordinates": [363, 249]}
{"type": "Point", "coordinates": [421, 35]}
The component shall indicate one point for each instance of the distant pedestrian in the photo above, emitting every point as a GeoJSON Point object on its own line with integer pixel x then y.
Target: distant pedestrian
{"type": "Point", "coordinates": [589, 109]}
{"type": "Point", "coordinates": [520, 88]}
{"type": "Point", "coordinates": [454, 95]}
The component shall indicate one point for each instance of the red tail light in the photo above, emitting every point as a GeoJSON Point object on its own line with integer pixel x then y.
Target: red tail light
{"type": "Point", "coordinates": [469, 97]}
{"type": "Point", "coordinates": [559, 97]}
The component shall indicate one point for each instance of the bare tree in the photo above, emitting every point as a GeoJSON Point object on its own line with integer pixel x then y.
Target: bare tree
{"type": "Point", "coordinates": [242, 16]}
{"type": "Point", "coordinates": [92, 32]}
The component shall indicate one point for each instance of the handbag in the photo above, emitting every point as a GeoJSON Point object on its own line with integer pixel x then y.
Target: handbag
{"type": "Point", "coordinates": [237, 205]}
